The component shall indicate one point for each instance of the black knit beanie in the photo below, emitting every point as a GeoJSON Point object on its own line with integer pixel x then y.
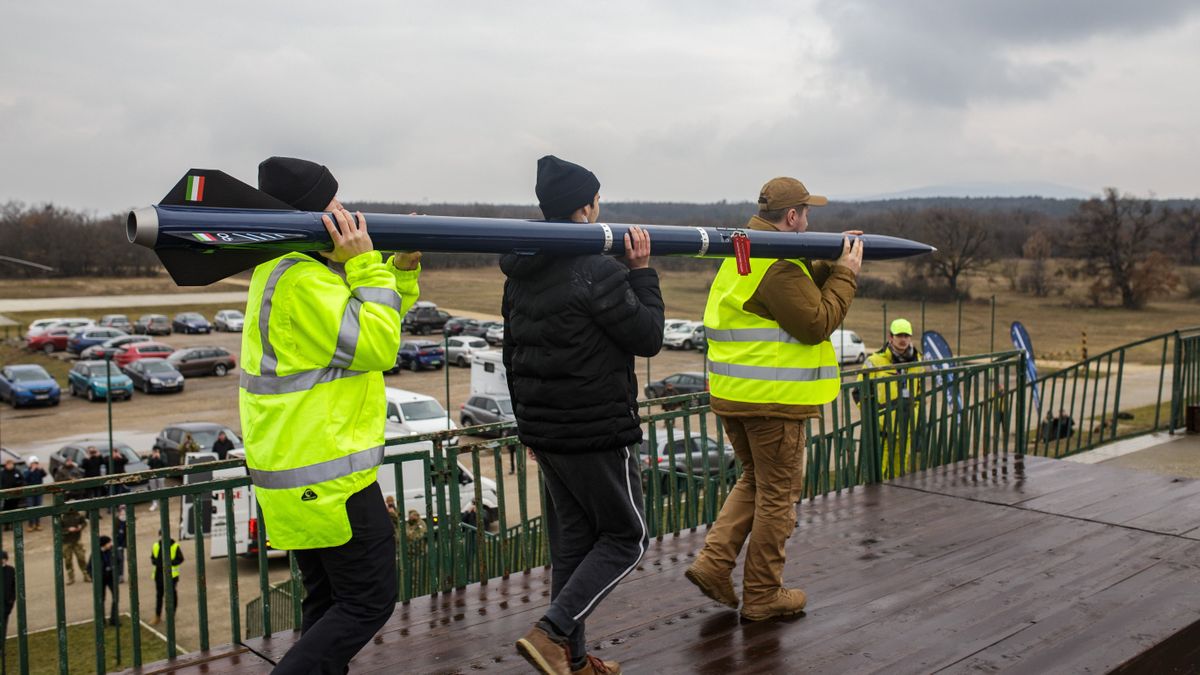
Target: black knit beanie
{"type": "Point", "coordinates": [306, 185]}
{"type": "Point", "coordinates": [563, 188]}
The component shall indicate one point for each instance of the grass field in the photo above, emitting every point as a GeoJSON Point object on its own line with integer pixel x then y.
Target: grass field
{"type": "Point", "coordinates": [81, 649]}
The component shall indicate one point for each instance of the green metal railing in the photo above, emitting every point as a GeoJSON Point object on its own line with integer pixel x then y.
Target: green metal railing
{"type": "Point", "coordinates": [883, 424]}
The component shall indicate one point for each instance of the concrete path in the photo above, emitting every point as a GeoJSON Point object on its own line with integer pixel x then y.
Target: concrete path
{"type": "Point", "coordinates": [110, 301]}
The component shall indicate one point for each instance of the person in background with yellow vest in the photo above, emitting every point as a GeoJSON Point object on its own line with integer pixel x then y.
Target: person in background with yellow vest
{"type": "Point", "coordinates": [158, 571]}
{"type": "Point", "coordinates": [319, 333]}
{"type": "Point", "coordinates": [897, 401]}
{"type": "Point", "coordinates": [771, 367]}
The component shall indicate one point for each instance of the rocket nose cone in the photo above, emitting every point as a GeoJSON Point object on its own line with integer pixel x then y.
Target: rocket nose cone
{"type": "Point", "coordinates": [141, 226]}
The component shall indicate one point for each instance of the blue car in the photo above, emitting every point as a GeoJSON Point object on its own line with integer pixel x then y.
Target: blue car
{"type": "Point", "coordinates": [191, 322]}
{"type": "Point", "coordinates": [89, 337]}
{"type": "Point", "coordinates": [87, 378]}
{"type": "Point", "coordinates": [418, 354]}
{"type": "Point", "coordinates": [27, 384]}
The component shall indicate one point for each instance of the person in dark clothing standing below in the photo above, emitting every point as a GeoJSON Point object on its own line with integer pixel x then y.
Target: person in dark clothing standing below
{"type": "Point", "coordinates": [222, 445]}
{"type": "Point", "coordinates": [108, 578]}
{"type": "Point", "coordinates": [156, 461]}
{"type": "Point", "coordinates": [35, 475]}
{"type": "Point", "coordinates": [93, 466]}
{"type": "Point", "coordinates": [572, 327]}
{"type": "Point", "coordinates": [11, 478]}
{"type": "Point", "coordinates": [158, 569]}
{"type": "Point", "coordinates": [10, 595]}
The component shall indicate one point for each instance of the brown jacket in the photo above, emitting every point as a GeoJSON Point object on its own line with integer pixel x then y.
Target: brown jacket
{"type": "Point", "coordinates": [808, 309]}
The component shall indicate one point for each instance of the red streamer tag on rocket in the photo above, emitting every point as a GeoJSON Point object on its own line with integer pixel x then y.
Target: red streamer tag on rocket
{"type": "Point", "coordinates": [741, 252]}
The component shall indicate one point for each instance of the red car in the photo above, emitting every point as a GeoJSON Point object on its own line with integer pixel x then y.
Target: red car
{"type": "Point", "coordinates": [53, 340]}
{"type": "Point", "coordinates": [141, 350]}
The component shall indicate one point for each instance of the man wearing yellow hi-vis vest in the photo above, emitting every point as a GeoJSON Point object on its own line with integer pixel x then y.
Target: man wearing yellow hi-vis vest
{"type": "Point", "coordinates": [898, 400]}
{"type": "Point", "coordinates": [318, 334]}
{"type": "Point", "coordinates": [771, 367]}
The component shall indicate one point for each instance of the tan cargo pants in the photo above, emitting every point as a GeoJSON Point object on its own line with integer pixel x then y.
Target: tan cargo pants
{"type": "Point", "coordinates": [761, 506]}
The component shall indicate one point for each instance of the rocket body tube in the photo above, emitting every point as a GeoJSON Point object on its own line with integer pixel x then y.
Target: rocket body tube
{"type": "Point", "coordinates": [205, 228]}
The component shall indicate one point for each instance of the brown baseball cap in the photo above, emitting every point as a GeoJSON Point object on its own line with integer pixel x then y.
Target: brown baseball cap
{"type": "Point", "coordinates": [784, 193]}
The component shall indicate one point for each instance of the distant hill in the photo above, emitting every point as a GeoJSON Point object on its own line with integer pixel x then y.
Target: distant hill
{"type": "Point", "coordinates": [985, 190]}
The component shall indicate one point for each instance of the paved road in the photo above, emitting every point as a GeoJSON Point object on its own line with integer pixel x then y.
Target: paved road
{"type": "Point", "coordinates": [110, 301]}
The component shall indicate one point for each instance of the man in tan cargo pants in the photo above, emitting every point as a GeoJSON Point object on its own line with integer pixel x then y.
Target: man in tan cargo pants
{"type": "Point", "coordinates": [771, 367]}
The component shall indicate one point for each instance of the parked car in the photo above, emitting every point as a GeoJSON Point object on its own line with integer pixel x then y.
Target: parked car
{"type": "Point", "coordinates": [418, 354]}
{"type": "Point", "coordinates": [679, 383]}
{"type": "Point", "coordinates": [112, 346]}
{"type": "Point", "coordinates": [456, 325]}
{"type": "Point", "coordinates": [696, 446]}
{"type": "Point", "coordinates": [152, 324]}
{"type": "Point", "coordinates": [77, 450]}
{"type": "Point", "coordinates": [49, 340]}
{"type": "Point", "coordinates": [486, 409]}
{"type": "Point", "coordinates": [72, 323]}
{"type": "Point", "coordinates": [424, 318]}
{"type": "Point", "coordinates": [229, 320]}
{"type": "Point", "coordinates": [118, 321]}
{"type": "Point", "coordinates": [140, 350]}
{"type": "Point", "coordinates": [39, 325]}
{"type": "Point", "coordinates": [680, 335]}
{"type": "Point", "coordinates": [495, 333]}
{"type": "Point", "coordinates": [848, 346]}
{"type": "Point", "coordinates": [28, 384]}
{"type": "Point", "coordinates": [154, 375]}
{"type": "Point", "coordinates": [191, 322]}
{"type": "Point", "coordinates": [204, 434]}
{"type": "Point", "coordinates": [411, 413]}
{"type": "Point", "coordinates": [83, 338]}
{"type": "Point", "coordinates": [91, 379]}
{"type": "Point", "coordinates": [673, 324]}
{"type": "Point", "coordinates": [459, 349]}
{"type": "Point", "coordinates": [194, 361]}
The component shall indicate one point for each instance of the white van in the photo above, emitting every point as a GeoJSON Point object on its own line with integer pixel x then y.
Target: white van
{"type": "Point", "coordinates": [848, 346]}
{"type": "Point", "coordinates": [488, 375]}
{"type": "Point", "coordinates": [245, 509]}
{"type": "Point", "coordinates": [410, 413]}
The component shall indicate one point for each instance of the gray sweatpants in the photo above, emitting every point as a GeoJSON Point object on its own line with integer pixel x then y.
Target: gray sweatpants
{"type": "Point", "coordinates": [597, 527]}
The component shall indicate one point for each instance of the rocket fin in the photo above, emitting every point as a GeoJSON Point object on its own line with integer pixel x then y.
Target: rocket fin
{"type": "Point", "coordinates": [199, 268]}
{"type": "Point", "coordinates": [211, 187]}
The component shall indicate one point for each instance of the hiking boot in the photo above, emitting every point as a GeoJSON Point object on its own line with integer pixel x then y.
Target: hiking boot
{"type": "Point", "coordinates": [70, 580]}
{"type": "Point", "coordinates": [543, 653]}
{"type": "Point", "coordinates": [716, 588]}
{"type": "Point", "coordinates": [595, 666]}
{"type": "Point", "coordinates": [87, 578]}
{"type": "Point", "coordinates": [788, 602]}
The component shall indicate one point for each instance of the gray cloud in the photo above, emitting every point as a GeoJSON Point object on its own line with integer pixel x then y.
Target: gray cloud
{"type": "Point", "coordinates": [955, 53]}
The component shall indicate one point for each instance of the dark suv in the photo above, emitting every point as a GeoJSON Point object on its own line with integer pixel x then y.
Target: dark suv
{"type": "Point", "coordinates": [418, 354]}
{"type": "Point", "coordinates": [152, 324]}
{"type": "Point", "coordinates": [424, 320]}
{"type": "Point", "coordinates": [487, 409]}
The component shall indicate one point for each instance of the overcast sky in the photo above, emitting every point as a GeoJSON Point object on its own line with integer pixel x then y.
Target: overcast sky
{"type": "Point", "coordinates": [104, 105]}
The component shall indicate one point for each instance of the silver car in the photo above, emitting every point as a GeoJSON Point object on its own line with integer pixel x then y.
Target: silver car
{"type": "Point", "coordinates": [229, 320]}
{"type": "Point", "coordinates": [460, 348]}
{"type": "Point", "coordinates": [487, 409]}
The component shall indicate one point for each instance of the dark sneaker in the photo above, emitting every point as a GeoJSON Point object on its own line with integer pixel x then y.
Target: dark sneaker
{"type": "Point", "coordinates": [716, 588]}
{"type": "Point", "coordinates": [598, 667]}
{"type": "Point", "coordinates": [789, 602]}
{"type": "Point", "coordinates": [543, 653]}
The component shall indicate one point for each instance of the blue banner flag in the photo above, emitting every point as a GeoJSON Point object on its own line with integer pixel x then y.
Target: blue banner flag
{"type": "Point", "coordinates": [1021, 340]}
{"type": "Point", "coordinates": [936, 348]}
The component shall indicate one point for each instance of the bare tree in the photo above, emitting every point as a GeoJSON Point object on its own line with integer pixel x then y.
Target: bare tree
{"type": "Point", "coordinates": [963, 243]}
{"type": "Point", "coordinates": [1036, 250]}
{"type": "Point", "coordinates": [1115, 236]}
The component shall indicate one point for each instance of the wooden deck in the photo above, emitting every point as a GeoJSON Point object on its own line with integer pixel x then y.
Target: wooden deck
{"type": "Point", "coordinates": [1029, 565]}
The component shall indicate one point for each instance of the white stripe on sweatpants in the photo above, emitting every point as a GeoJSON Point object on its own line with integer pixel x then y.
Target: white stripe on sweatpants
{"type": "Point", "coordinates": [641, 545]}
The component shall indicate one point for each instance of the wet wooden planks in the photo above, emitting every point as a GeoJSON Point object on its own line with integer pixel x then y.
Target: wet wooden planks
{"type": "Point", "coordinates": [1021, 565]}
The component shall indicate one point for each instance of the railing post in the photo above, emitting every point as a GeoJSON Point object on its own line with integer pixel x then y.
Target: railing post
{"type": "Point", "coordinates": [1176, 384]}
{"type": "Point", "coordinates": [1022, 423]}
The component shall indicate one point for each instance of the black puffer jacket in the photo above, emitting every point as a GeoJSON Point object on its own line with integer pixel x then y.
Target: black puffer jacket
{"type": "Point", "coordinates": [571, 329]}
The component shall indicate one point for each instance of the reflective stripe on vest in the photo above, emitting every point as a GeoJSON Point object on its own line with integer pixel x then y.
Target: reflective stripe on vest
{"type": "Point", "coordinates": [752, 359]}
{"type": "Point", "coordinates": [319, 472]}
{"type": "Point", "coordinates": [174, 568]}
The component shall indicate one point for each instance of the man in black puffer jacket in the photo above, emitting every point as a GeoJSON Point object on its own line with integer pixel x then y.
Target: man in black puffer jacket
{"type": "Point", "coordinates": [572, 327]}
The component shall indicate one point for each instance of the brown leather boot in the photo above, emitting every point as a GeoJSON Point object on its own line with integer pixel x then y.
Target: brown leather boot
{"type": "Point", "coordinates": [543, 653]}
{"type": "Point", "coordinates": [597, 667]}
{"type": "Point", "coordinates": [789, 602]}
{"type": "Point", "coordinates": [715, 587]}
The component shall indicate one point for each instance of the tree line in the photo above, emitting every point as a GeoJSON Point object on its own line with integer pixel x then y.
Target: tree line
{"type": "Point", "coordinates": [1127, 246]}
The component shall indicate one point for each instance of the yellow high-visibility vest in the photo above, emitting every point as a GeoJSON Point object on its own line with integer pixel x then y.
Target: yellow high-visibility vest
{"type": "Point", "coordinates": [174, 553]}
{"type": "Point", "coordinates": [311, 397]}
{"type": "Point", "coordinates": [754, 360]}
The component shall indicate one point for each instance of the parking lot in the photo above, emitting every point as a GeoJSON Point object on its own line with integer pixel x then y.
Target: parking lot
{"type": "Point", "coordinates": [40, 430]}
